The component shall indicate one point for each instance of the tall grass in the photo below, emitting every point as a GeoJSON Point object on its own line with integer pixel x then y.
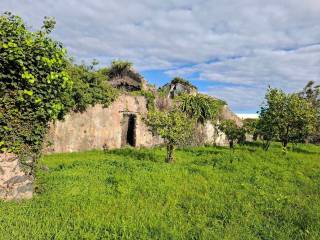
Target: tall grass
{"type": "Point", "coordinates": [208, 193]}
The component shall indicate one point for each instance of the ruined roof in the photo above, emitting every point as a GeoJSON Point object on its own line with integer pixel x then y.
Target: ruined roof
{"type": "Point", "coordinates": [178, 86]}
{"type": "Point", "coordinates": [128, 80]}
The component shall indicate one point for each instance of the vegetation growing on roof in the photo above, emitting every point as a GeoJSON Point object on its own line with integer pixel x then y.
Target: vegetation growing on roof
{"type": "Point", "coordinates": [200, 106]}
{"type": "Point", "coordinates": [120, 69]}
{"type": "Point", "coordinates": [183, 81]}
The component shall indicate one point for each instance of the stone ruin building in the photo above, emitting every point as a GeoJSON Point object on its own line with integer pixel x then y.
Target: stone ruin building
{"type": "Point", "coordinates": [122, 124]}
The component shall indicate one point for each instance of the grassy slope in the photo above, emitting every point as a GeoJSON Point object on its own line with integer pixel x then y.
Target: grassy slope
{"type": "Point", "coordinates": [209, 193]}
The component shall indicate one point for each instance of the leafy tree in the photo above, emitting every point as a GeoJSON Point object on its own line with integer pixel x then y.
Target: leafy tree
{"type": "Point", "coordinates": [286, 117]}
{"type": "Point", "coordinates": [173, 125]}
{"type": "Point", "coordinates": [311, 92]}
{"type": "Point", "coordinates": [231, 130]}
{"type": "Point", "coordinates": [250, 127]}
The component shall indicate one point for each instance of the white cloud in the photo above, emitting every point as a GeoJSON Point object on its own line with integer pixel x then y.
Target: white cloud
{"type": "Point", "coordinates": [246, 37]}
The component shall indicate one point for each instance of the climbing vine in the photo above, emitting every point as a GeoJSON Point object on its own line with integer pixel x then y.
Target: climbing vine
{"type": "Point", "coordinates": [35, 88]}
{"type": "Point", "coordinates": [39, 84]}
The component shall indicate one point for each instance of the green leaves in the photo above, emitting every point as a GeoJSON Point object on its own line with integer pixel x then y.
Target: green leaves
{"type": "Point", "coordinates": [286, 117]}
{"type": "Point", "coordinates": [29, 77]}
{"type": "Point", "coordinates": [36, 89]}
{"type": "Point", "coordinates": [200, 106]}
{"type": "Point", "coordinates": [173, 125]}
{"type": "Point", "coordinates": [89, 87]}
{"type": "Point", "coordinates": [231, 130]}
{"type": "Point", "coordinates": [28, 92]}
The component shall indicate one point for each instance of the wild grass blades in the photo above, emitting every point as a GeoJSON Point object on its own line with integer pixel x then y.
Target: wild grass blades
{"type": "Point", "coordinates": [208, 193]}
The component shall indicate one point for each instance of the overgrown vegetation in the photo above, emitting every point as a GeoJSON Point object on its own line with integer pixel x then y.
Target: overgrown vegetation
{"type": "Point", "coordinates": [90, 87]}
{"type": "Point", "coordinates": [120, 69]}
{"type": "Point", "coordinates": [311, 93]}
{"type": "Point", "coordinates": [177, 123]}
{"type": "Point", "coordinates": [150, 98]}
{"type": "Point", "coordinates": [35, 88]}
{"type": "Point", "coordinates": [232, 131]}
{"type": "Point", "coordinates": [200, 106]}
{"type": "Point", "coordinates": [209, 193]}
{"type": "Point", "coordinates": [39, 84]}
{"type": "Point", "coordinates": [183, 81]}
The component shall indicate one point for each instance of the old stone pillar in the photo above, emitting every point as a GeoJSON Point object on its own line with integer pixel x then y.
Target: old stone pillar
{"type": "Point", "coordinates": [15, 184]}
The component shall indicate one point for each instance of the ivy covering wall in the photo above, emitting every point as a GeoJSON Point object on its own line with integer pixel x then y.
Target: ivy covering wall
{"type": "Point", "coordinates": [39, 84]}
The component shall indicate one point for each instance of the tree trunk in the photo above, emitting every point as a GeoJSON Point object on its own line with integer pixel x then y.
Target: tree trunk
{"type": "Point", "coordinates": [170, 149]}
{"type": "Point", "coordinates": [231, 144]}
{"type": "Point", "coordinates": [285, 143]}
{"type": "Point", "coordinates": [266, 145]}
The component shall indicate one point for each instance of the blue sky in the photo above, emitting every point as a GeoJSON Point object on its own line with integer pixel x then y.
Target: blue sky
{"type": "Point", "coordinates": [230, 49]}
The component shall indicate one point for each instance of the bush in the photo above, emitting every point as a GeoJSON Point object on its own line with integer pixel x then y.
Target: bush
{"type": "Point", "coordinates": [90, 87]}
{"type": "Point", "coordinates": [35, 88]}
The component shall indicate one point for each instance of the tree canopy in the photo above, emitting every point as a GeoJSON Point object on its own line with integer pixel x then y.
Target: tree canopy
{"type": "Point", "coordinates": [232, 131]}
{"type": "Point", "coordinates": [286, 117]}
{"type": "Point", "coordinates": [173, 125]}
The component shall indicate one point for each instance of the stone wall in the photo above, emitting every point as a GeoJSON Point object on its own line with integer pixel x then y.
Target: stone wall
{"type": "Point", "coordinates": [15, 184]}
{"type": "Point", "coordinates": [99, 127]}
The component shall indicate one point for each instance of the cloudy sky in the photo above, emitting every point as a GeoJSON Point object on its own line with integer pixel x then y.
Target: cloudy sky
{"type": "Point", "coordinates": [232, 49]}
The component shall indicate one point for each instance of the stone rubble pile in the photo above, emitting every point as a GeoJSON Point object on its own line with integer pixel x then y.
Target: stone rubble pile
{"type": "Point", "coordinates": [15, 184]}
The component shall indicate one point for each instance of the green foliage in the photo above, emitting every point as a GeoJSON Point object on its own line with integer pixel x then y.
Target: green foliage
{"type": "Point", "coordinates": [200, 106]}
{"type": "Point", "coordinates": [90, 87]}
{"type": "Point", "coordinates": [182, 81]}
{"type": "Point", "coordinates": [286, 117]}
{"type": "Point", "coordinates": [174, 126]}
{"type": "Point", "coordinates": [250, 127]}
{"type": "Point", "coordinates": [134, 195]}
{"type": "Point", "coordinates": [311, 93]}
{"type": "Point", "coordinates": [232, 131]}
{"type": "Point", "coordinates": [35, 88]}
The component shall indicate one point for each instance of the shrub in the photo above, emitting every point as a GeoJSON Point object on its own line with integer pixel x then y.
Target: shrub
{"type": "Point", "coordinates": [90, 87]}
{"type": "Point", "coordinates": [35, 88]}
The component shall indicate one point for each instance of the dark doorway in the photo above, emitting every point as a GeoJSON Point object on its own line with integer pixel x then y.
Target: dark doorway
{"type": "Point", "coordinates": [128, 130]}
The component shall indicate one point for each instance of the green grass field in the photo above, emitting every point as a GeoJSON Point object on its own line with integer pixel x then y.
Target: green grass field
{"type": "Point", "coordinates": [208, 193]}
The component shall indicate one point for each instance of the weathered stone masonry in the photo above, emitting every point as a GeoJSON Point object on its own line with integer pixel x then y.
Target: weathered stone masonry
{"type": "Point", "coordinates": [15, 184]}
{"type": "Point", "coordinates": [99, 127]}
